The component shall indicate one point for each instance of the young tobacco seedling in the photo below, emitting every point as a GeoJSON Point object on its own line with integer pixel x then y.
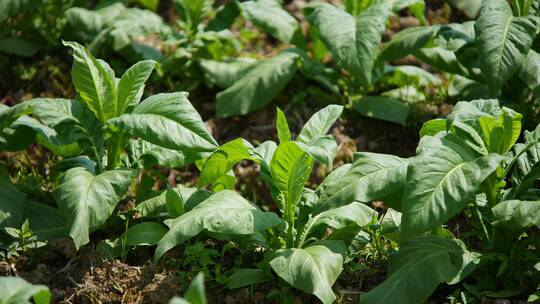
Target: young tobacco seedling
{"type": "Point", "coordinates": [91, 133]}
{"type": "Point", "coordinates": [467, 162]}
{"type": "Point", "coordinates": [294, 242]}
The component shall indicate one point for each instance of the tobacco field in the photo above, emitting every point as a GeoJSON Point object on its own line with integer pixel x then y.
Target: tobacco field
{"type": "Point", "coordinates": [270, 151]}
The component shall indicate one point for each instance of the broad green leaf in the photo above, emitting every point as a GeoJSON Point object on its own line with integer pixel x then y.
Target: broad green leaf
{"type": "Point", "coordinates": [223, 160]}
{"type": "Point", "coordinates": [529, 72]}
{"type": "Point", "coordinates": [150, 154]}
{"type": "Point", "coordinates": [462, 88]}
{"type": "Point", "coordinates": [156, 206]}
{"type": "Point", "coordinates": [355, 213]}
{"type": "Point", "coordinates": [144, 234]}
{"type": "Point", "coordinates": [8, 115]}
{"type": "Point", "coordinates": [407, 42]}
{"type": "Point", "coordinates": [446, 61]}
{"type": "Point", "coordinates": [243, 277]}
{"type": "Point", "coordinates": [224, 212]}
{"type": "Point", "coordinates": [225, 73]}
{"type": "Point", "coordinates": [290, 169]}
{"type": "Point", "coordinates": [417, 8]}
{"type": "Point", "coordinates": [371, 177]}
{"type": "Point", "coordinates": [71, 118]}
{"type": "Point", "coordinates": [167, 120]}
{"type": "Point", "coordinates": [419, 267]}
{"type": "Point", "coordinates": [319, 123]}
{"type": "Point", "coordinates": [258, 85]}
{"type": "Point", "coordinates": [19, 46]}
{"type": "Point", "coordinates": [385, 108]}
{"type": "Point", "coordinates": [93, 82]}
{"type": "Point", "coordinates": [14, 290]}
{"type": "Point", "coordinates": [225, 16]}
{"type": "Point", "coordinates": [270, 17]}
{"type": "Point", "coordinates": [313, 269]}
{"type": "Point", "coordinates": [517, 214]}
{"type": "Point", "coordinates": [46, 222]}
{"type": "Point", "coordinates": [499, 127]}
{"type": "Point", "coordinates": [131, 86]}
{"type": "Point", "coordinates": [469, 7]}
{"type": "Point", "coordinates": [353, 41]}
{"type": "Point", "coordinates": [410, 75]}
{"type": "Point", "coordinates": [433, 127]}
{"type": "Point", "coordinates": [174, 202]}
{"type": "Point", "coordinates": [88, 200]}
{"type": "Point", "coordinates": [12, 202]}
{"type": "Point", "coordinates": [503, 40]}
{"type": "Point", "coordinates": [441, 180]}
{"type": "Point", "coordinates": [322, 148]}
{"type": "Point", "coordinates": [282, 127]}
{"type": "Point", "coordinates": [130, 24]}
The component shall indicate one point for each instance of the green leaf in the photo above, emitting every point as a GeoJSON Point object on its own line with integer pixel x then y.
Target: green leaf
{"type": "Point", "coordinates": [195, 293]}
{"type": "Point", "coordinates": [9, 115]}
{"type": "Point", "coordinates": [441, 180]}
{"type": "Point", "coordinates": [290, 169]}
{"type": "Point", "coordinates": [469, 7]}
{"type": "Point", "coordinates": [19, 46]}
{"type": "Point", "coordinates": [257, 86]}
{"type": "Point", "coordinates": [516, 215]}
{"type": "Point", "coordinates": [243, 277]}
{"type": "Point", "coordinates": [385, 108]}
{"type": "Point", "coordinates": [15, 290]}
{"type": "Point", "coordinates": [417, 7]}
{"type": "Point", "coordinates": [223, 160]}
{"type": "Point", "coordinates": [167, 120]}
{"type": "Point", "coordinates": [224, 212]}
{"type": "Point", "coordinates": [446, 61]}
{"type": "Point", "coordinates": [530, 72]}
{"type": "Point", "coordinates": [225, 16]}
{"type": "Point", "coordinates": [419, 267]}
{"type": "Point", "coordinates": [271, 18]}
{"type": "Point", "coordinates": [150, 154]}
{"type": "Point", "coordinates": [353, 41]}
{"type": "Point", "coordinates": [144, 234]}
{"type": "Point", "coordinates": [192, 11]}
{"type": "Point", "coordinates": [46, 222]}
{"type": "Point", "coordinates": [131, 86]}
{"type": "Point", "coordinates": [174, 202]}
{"type": "Point", "coordinates": [407, 42]}
{"type": "Point", "coordinates": [282, 127]}
{"type": "Point", "coordinates": [88, 200]}
{"type": "Point", "coordinates": [354, 213]}
{"type": "Point", "coordinates": [12, 202]}
{"type": "Point", "coordinates": [225, 73]}
{"type": "Point", "coordinates": [313, 269]}
{"type": "Point", "coordinates": [503, 40]}
{"type": "Point", "coordinates": [322, 148]}
{"type": "Point", "coordinates": [93, 83]}
{"type": "Point", "coordinates": [371, 177]}
{"type": "Point", "coordinates": [319, 123]}
{"type": "Point", "coordinates": [73, 120]}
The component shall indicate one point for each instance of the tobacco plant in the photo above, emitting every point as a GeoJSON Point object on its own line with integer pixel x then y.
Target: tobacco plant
{"type": "Point", "coordinates": [295, 242]}
{"type": "Point", "coordinates": [90, 136]}
{"type": "Point", "coordinates": [469, 164]}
